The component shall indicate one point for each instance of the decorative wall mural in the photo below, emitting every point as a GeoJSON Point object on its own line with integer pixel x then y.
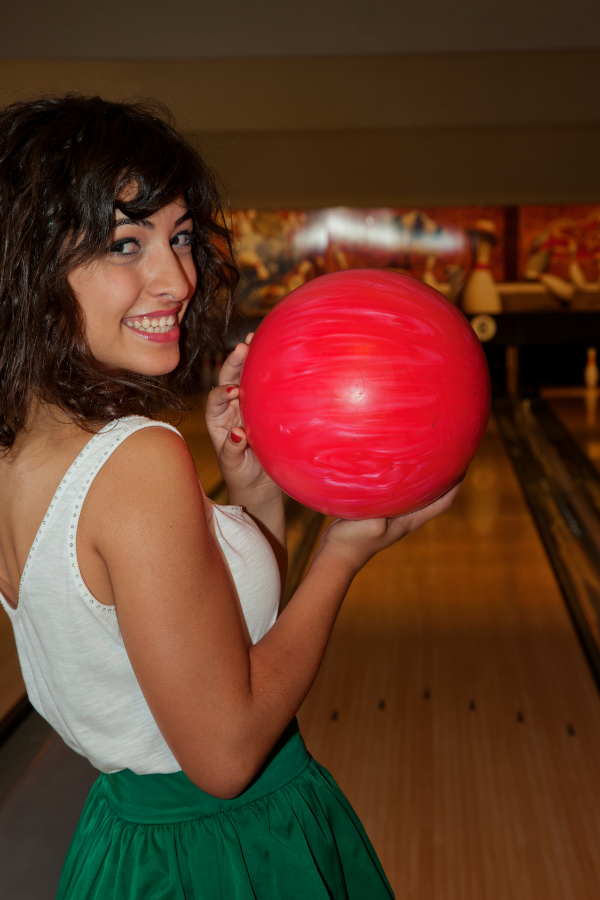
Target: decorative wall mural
{"type": "Point", "coordinates": [278, 250]}
{"type": "Point", "coordinates": [560, 246]}
{"type": "Point", "coordinates": [486, 258]}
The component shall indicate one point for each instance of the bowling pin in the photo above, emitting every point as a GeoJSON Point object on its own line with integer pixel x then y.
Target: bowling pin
{"type": "Point", "coordinates": [590, 373]}
{"type": "Point", "coordinates": [481, 294]}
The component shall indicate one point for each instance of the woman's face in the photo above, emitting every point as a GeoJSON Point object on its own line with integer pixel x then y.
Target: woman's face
{"type": "Point", "coordinates": [135, 297]}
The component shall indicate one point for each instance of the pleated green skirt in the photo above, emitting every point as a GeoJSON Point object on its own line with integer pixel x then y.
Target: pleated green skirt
{"type": "Point", "coordinates": [291, 835]}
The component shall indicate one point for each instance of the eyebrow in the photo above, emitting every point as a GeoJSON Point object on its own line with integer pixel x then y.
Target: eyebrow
{"type": "Point", "coordinates": [146, 223]}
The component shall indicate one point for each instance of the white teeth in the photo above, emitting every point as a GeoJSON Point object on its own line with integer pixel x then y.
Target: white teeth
{"type": "Point", "coordinates": [160, 325]}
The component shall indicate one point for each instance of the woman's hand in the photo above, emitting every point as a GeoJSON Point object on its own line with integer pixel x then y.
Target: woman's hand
{"type": "Point", "coordinates": [355, 542]}
{"type": "Point", "coordinates": [241, 470]}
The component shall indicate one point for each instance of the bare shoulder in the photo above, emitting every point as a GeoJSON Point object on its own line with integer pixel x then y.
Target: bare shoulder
{"type": "Point", "coordinates": [151, 445]}
{"type": "Point", "coordinates": [149, 479]}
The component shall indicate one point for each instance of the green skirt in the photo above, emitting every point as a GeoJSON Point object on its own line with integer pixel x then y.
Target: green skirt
{"type": "Point", "coordinates": [291, 835]}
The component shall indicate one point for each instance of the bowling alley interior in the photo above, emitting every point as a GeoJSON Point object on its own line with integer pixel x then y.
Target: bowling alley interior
{"type": "Point", "coordinates": [457, 145]}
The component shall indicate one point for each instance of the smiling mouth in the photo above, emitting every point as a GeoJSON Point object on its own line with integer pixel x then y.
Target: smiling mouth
{"type": "Point", "coordinates": [155, 323]}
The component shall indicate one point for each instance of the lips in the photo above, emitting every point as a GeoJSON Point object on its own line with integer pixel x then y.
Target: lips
{"type": "Point", "coordinates": [170, 334]}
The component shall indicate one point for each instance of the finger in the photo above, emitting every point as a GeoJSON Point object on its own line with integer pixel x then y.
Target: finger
{"type": "Point", "coordinates": [370, 529]}
{"type": "Point", "coordinates": [232, 452]}
{"type": "Point", "coordinates": [232, 367]}
{"type": "Point", "coordinates": [219, 399]}
{"type": "Point", "coordinates": [249, 337]}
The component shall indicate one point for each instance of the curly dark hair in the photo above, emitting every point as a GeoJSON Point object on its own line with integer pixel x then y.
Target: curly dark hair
{"type": "Point", "coordinates": [64, 164]}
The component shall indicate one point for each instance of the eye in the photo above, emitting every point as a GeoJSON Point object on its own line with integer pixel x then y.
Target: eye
{"type": "Point", "coordinates": [125, 247]}
{"type": "Point", "coordinates": [183, 239]}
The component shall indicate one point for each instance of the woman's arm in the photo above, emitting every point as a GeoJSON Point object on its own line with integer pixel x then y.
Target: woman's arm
{"type": "Point", "coordinates": [219, 704]}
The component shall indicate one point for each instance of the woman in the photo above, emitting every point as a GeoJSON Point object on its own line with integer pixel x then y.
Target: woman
{"type": "Point", "coordinates": [145, 616]}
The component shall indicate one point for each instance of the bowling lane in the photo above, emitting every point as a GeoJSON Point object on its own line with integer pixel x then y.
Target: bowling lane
{"type": "Point", "coordinates": [457, 711]}
{"type": "Point", "coordinates": [578, 410]}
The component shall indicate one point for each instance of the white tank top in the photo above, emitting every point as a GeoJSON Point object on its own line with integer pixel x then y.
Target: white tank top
{"type": "Point", "coordinates": [75, 666]}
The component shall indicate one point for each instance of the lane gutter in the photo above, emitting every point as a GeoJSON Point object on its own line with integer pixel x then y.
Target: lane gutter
{"type": "Point", "coordinates": [562, 490]}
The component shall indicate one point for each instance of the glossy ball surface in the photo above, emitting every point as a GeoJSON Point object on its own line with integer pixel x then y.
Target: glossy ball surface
{"type": "Point", "coordinates": [365, 393]}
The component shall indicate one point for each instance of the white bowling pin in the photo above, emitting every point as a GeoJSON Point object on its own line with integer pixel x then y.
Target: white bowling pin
{"type": "Point", "coordinates": [481, 294]}
{"type": "Point", "coordinates": [590, 373]}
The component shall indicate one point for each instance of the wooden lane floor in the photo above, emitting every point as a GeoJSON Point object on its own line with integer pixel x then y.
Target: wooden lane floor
{"type": "Point", "coordinates": [456, 709]}
{"type": "Point", "coordinates": [579, 411]}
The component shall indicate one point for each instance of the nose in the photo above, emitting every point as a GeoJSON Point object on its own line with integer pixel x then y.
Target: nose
{"type": "Point", "coordinates": [169, 278]}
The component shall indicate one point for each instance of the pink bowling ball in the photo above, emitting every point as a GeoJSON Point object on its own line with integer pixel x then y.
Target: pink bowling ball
{"type": "Point", "coordinates": [365, 393]}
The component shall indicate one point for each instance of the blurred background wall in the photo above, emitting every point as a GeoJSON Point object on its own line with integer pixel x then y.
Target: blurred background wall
{"type": "Point", "coordinates": [350, 103]}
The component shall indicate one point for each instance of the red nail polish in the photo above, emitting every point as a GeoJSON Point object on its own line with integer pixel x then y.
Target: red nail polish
{"type": "Point", "coordinates": [235, 438]}
{"type": "Point", "coordinates": [231, 388]}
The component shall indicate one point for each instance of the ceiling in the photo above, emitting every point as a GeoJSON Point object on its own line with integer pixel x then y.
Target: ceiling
{"type": "Point", "coordinates": [80, 29]}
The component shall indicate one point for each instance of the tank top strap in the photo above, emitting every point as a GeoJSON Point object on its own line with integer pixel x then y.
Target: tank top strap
{"type": "Point", "coordinates": [58, 529]}
{"type": "Point", "coordinates": [101, 447]}
{"type": "Point", "coordinates": [84, 468]}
